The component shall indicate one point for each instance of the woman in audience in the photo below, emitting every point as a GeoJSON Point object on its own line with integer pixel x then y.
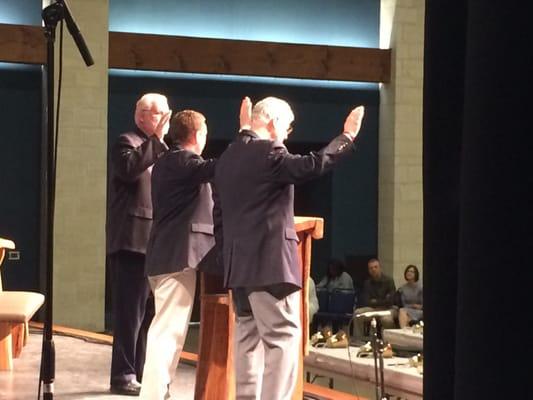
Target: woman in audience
{"type": "Point", "coordinates": [336, 278]}
{"type": "Point", "coordinates": [410, 295]}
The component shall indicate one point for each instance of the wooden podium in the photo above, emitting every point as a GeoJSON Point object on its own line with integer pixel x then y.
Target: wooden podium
{"type": "Point", "coordinates": [215, 377]}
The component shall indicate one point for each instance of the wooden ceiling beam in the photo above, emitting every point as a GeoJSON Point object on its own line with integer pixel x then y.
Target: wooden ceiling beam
{"type": "Point", "coordinates": [26, 44]}
{"type": "Point", "coordinates": [22, 44]}
{"type": "Point", "coordinates": [241, 57]}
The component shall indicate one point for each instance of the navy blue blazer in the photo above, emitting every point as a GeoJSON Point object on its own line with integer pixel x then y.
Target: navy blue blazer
{"type": "Point", "coordinates": [129, 204]}
{"type": "Point", "coordinates": [182, 232]}
{"type": "Point", "coordinates": [254, 207]}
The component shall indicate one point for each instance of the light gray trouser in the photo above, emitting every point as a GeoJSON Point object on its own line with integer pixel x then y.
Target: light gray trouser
{"type": "Point", "coordinates": [267, 343]}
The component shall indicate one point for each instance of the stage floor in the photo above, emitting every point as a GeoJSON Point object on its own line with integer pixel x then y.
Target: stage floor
{"type": "Point", "coordinates": [82, 369]}
{"type": "Point", "coordinates": [82, 372]}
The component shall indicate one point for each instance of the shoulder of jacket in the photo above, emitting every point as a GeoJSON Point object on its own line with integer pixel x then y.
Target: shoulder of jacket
{"type": "Point", "coordinates": [179, 157]}
{"type": "Point", "coordinates": [277, 144]}
{"type": "Point", "coordinates": [132, 137]}
{"type": "Point", "coordinates": [276, 148]}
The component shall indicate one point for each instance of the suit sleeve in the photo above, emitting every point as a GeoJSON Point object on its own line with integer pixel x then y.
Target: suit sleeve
{"type": "Point", "coordinates": [289, 168]}
{"type": "Point", "coordinates": [218, 228]}
{"type": "Point", "coordinates": [200, 170]}
{"type": "Point", "coordinates": [388, 300]}
{"type": "Point", "coordinates": [389, 297]}
{"type": "Point", "coordinates": [130, 162]}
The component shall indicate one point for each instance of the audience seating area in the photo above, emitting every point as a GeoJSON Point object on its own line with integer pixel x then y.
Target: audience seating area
{"type": "Point", "coordinates": [16, 309]}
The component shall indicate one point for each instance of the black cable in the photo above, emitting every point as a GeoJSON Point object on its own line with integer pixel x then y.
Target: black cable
{"type": "Point", "coordinates": [350, 356]}
{"type": "Point", "coordinates": [60, 80]}
{"type": "Point", "coordinates": [53, 172]}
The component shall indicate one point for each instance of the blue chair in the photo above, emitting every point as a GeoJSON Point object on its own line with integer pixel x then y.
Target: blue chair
{"type": "Point", "coordinates": [341, 301]}
{"type": "Point", "coordinates": [341, 306]}
{"type": "Point", "coordinates": [323, 299]}
{"type": "Point", "coordinates": [337, 310]}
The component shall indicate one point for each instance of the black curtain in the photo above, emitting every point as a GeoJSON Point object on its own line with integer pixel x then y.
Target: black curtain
{"type": "Point", "coordinates": [478, 180]}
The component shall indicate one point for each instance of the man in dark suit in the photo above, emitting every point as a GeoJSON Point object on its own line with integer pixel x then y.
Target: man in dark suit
{"type": "Point", "coordinates": [181, 237]}
{"type": "Point", "coordinates": [129, 220]}
{"type": "Point", "coordinates": [254, 224]}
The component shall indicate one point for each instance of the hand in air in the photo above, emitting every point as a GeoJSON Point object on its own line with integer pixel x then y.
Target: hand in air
{"type": "Point", "coordinates": [353, 122]}
{"type": "Point", "coordinates": [245, 114]}
{"type": "Point", "coordinates": [162, 127]}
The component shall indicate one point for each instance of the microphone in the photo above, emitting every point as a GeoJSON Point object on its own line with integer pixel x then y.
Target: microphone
{"type": "Point", "coordinates": [372, 314]}
{"type": "Point", "coordinates": [76, 34]}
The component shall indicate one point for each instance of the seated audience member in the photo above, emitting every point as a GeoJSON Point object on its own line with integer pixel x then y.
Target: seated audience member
{"type": "Point", "coordinates": [410, 295]}
{"type": "Point", "coordinates": [377, 295]}
{"type": "Point", "coordinates": [336, 277]}
{"type": "Point", "coordinates": [313, 300]}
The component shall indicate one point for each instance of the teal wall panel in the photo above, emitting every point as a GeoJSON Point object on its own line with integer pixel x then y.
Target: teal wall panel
{"type": "Point", "coordinates": [329, 22]}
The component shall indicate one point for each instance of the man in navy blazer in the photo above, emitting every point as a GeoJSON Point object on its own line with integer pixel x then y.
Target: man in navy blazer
{"type": "Point", "coordinates": [254, 225]}
{"type": "Point", "coordinates": [129, 220]}
{"type": "Point", "coordinates": [180, 239]}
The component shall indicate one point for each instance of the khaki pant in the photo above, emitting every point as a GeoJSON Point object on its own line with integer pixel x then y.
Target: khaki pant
{"type": "Point", "coordinates": [174, 297]}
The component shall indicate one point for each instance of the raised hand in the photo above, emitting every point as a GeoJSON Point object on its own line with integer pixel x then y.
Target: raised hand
{"type": "Point", "coordinates": [162, 127]}
{"type": "Point", "coordinates": [245, 114]}
{"type": "Point", "coordinates": [353, 122]}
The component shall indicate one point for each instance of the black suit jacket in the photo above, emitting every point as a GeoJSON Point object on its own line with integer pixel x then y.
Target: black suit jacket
{"type": "Point", "coordinates": [254, 207]}
{"type": "Point", "coordinates": [182, 233]}
{"type": "Point", "coordinates": [129, 204]}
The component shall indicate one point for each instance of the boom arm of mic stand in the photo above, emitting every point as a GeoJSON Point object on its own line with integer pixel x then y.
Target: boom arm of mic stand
{"type": "Point", "coordinates": [76, 34]}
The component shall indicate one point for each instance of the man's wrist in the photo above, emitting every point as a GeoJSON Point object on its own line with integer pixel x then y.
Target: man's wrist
{"type": "Point", "coordinates": [350, 135]}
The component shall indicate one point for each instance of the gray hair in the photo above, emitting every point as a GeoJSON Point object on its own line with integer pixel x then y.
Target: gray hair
{"type": "Point", "coordinates": [272, 108]}
{"type": "Point", "coordinates": [146, 101]}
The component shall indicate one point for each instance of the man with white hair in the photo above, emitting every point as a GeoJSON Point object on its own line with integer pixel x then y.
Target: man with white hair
{"type": "Point", "coordinates": [254, 227]}
{"type": "Point", "coordinates": [129, 220]}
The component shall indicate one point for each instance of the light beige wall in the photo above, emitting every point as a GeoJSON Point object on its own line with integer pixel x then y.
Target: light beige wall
{"type": "Point", "coordinates": [79, 250]}
{"type": "Point", "coordinates": [400, 138]}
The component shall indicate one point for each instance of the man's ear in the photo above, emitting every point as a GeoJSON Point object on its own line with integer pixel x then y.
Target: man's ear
{"type": "Point", "coordinates": [194, 138]}
{"type": "Point", "coordinates": [271, 127]}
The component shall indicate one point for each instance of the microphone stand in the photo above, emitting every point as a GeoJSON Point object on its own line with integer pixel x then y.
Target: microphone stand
{"type": "Point", "coordinates": [377, 352]}
{"type": "Point", "coordinates": [52, 15]}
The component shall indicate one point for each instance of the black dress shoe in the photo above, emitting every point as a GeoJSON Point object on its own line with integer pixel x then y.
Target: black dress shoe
{"type": "Point", "coordinates": [131, 388]}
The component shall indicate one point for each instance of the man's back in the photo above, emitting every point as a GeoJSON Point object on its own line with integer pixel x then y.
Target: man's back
{"type": "Point", "coordinates": [258, 224]}
{"type": "Point", "coordinates": [182, 231]}
{"type": "Point", "coordinates": [129, 214]}
{"type": "Point", "coordinates": [254, 182]}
